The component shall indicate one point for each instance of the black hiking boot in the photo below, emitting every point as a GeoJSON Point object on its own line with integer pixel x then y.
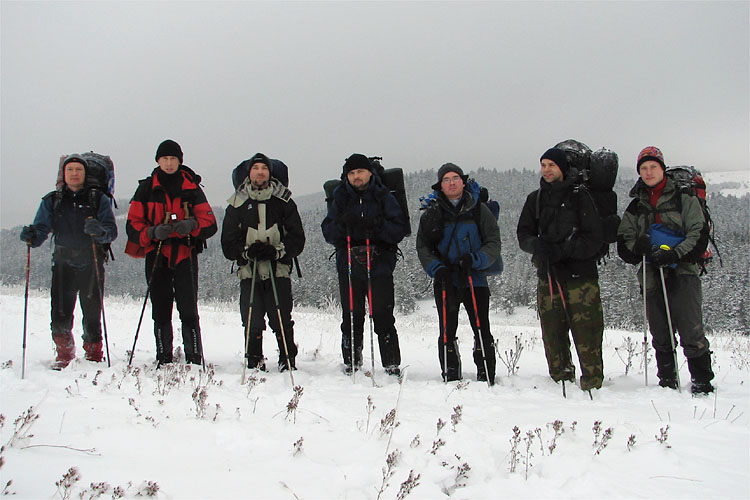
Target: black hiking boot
{"type": "Point", "coordinates": [701, 374]}
{"type": "Point", "coordinates": [670, 383]}
{"type": "Point", "coordinates": [283, 365]}
{"type": "Point", "coordinates": [256, 363]}
{"type": "Point", "coordinates": [393, 370]}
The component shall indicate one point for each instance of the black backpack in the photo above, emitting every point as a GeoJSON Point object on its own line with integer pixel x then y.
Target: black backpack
{"type": "Point", "coordinates": [393, 180]}
{"type": "Point", "coordinates": [279, 171]}
{"type": "Point", "coordinates": [597, 173]}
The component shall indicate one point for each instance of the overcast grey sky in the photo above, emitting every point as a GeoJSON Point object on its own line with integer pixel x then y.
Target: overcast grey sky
{"type": "Point", "coordinates": [489, 84]}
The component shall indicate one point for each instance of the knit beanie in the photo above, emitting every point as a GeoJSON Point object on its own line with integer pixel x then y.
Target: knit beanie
{"type": "Point", "coordinates": [77, 159]}
{"type": "Point", "coordinates": [356, 161]}
{"type": "Point", "coordinates": [169, 148]}
{"type": "Point", "coordinates": [650, 153]}
{"type": "Point", "coordinates": [449, 167]}
{"type": "Point", "coordinates": [261, 158]}
{"type": "Point", "coordinates": [559, 156]}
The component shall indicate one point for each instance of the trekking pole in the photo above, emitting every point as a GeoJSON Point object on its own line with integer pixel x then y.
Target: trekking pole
{"type": "Point", "coordinates": [479, 330]}
{"type": "Point", "coordinates": [351, 303]}
{"type": "Point", "coordinates": [645, 327]}
{"type": "Point", "coordinates": [197, 342]}
{"type": "Point", "coordinates": [148, 290]}
{"type": "Point", "coordinates": [281, 325]}
{"type": "Point", "coordinates": [445, 338]}
{"type": "Point", "coordinates": [369, 303]}
{"type": "Point", "coordinates": [100, 291]}
{"type": "Point", "coordinates": [669, 323]}
{"type": "Point", "coordinates": [26, 307]}
{"type": "Point", "coordinates": [557, 331]}
{"type": "Point", "coordinates": [249, 318]}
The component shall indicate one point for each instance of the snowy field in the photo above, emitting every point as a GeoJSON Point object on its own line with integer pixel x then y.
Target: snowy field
{"type": "Point", "coordinates": [734, 183]}
{"type": "Point", "coordinates": [178, 433]}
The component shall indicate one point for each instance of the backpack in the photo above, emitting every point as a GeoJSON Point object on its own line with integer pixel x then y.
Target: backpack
{"type": "Point", "coordinates": [393, 180]}
{"type": "Point", "coordinates": [279, 171]}
{"type": "Point", "coordinates": [480, 195]}
{"type": "Point", "coordinates": [688, 179]}
{"type": "Point", "coordinates": [597, 173]}
{"type": "Point", "coordinates": [100, 179]}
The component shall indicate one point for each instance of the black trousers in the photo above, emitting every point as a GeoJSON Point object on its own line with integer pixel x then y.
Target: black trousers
{"type": "Point", "coordinates": [68, 284]}
{"type": "Point", "coordinates": [447, 339]}
{"type": "Point", "coordinates": [264, 305]}
{"type": "Point", "coordinates": [384, 322]}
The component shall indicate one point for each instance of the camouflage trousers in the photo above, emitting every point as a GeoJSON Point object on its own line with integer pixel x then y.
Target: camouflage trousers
{"type": "Point", "coordinates": [580, 312]}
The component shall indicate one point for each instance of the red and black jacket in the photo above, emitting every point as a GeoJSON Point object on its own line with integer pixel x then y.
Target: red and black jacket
{"type": "Point", "coordinates": [152, 205]}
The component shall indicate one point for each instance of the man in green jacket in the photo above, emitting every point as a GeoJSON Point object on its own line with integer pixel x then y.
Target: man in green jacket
{"type": "Point", "coordinates": [659, 207]}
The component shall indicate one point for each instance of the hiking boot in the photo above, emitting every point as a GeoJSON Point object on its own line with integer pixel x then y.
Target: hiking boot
{"type": "Point", "coordinates": [670, 383]}
{"type": "Point", "coordinates": [348, 368]}
{"type": "Point", "coordinates": [66, 351]}
{"type": "Point", "coordinates": [482, 377]}
{"type": "Point", "coordinates": [283, 365]}
{"type": "Point", "coordinates": [256, 363]}
{"type": "Point", "coordinates": [93, 351]}
{"type": "Point", "coordinates": [451, 375]}
{"type": "Point", "coordinates": [393, 370]}
{"type": "Point", "coordinates": [699, 388]}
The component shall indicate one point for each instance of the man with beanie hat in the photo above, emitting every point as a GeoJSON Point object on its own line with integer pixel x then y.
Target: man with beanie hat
{"type": "Point", "coordinates": [263, 233]}
{"type": "Point", "coordinates": [169, 220]}
{"type": "Point", "coordinates": [458, 238]}
{"type": "Point", "coordinates": [364, 217]}
{"type": "Point", "coordinates": [81, 219]}
{"type": "Point", "coordinates": [559, 225]}
{"type": "Point", "coordinates": [657, 204]}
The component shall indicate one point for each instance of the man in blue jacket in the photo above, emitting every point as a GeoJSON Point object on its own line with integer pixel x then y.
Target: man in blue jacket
{"type": "Point", "coordinates": [458, 238]}
{"type": "Point", "coordinates": [82, 221]}
{"type": "Point", "coordinates": [363, 210]}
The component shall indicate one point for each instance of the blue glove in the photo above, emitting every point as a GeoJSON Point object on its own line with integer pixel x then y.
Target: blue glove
{"type": "Point", "coordinates": [93, 227]}
{"type": "Point", "coordinates": [27, 234]}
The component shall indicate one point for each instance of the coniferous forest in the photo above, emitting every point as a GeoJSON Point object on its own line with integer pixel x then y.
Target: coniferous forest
{"type": "Point", "coordinates": [726, 288]}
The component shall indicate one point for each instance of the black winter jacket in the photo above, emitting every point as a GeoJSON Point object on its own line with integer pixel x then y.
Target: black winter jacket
{"type": "Point", "coordinates": [567, 217]}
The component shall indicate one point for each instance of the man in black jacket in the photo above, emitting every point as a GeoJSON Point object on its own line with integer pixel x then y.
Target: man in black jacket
{"type": "Point", "coordinates": [560, 227]}
{"type": "Point", "coordinates": [263, 232]}
{"type": "Point", "coordinates": [363, 208]}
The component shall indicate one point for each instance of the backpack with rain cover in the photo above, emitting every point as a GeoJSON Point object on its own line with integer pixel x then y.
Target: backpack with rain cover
{"type": "Point", "coordinates": [100, 179]}
{"type": "Point", "coordinates": [480, 195]}
{"type": "Point", "coordinates": [279, 171]}
{"type": "Point", "coordinates": [597, 173]}
{"type": "Point", "coordinates": [393, 180]}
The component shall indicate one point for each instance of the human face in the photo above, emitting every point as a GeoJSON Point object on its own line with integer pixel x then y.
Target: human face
{"type": "Point", "coordinates": [75, 175]}
{"type": "Point", "coordinates": [359, 178]}
{"type": "Point", "coordinates": [260, 176]}
{"type": "Point", "coordinates": [651, 172]}
{"type": "Point", "coordinates": [550, 171]}
{"type": "Point", "coordinates": [452, 185]}
{"type": "Point", "coordinates": [168, 164]}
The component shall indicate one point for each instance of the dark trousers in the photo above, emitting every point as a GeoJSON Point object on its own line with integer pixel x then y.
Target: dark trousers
{"type": "Point", "coordinates": [684, 296]}
{"type": "Point", "coordinates": [68, 284]}
{"type": "Point", "coordinates": [384, 322]}
{"type": "Point", "coordinates": [178, 285]}
{"type": "Point", "coordinates": [264, 305]}
{"type": "Point", "coordinates": [447, 339]}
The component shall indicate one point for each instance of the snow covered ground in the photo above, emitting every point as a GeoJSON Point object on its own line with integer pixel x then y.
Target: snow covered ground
{"type": "Point", "coordinates": [734, 183]}
{"type": "Point", "coordinates": [141, 431]}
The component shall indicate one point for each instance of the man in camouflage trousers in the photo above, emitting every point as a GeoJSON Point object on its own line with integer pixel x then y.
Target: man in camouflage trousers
{"type": "Point", "coordinates": [560, 227]}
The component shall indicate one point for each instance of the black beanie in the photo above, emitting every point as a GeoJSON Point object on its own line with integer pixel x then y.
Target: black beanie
{"type": "Point", "coordinates": [169, 148]}
{"type": "Point", "coordinates": [356, 161]}
{"type": "Point", "coordinates": [261, 158]}
{"type": "Point", "coordinates": [77, 159]}
{"type": "Point", "coordinates": [558, 156]}
{"type": "Point", "coordinates": [449, 167]}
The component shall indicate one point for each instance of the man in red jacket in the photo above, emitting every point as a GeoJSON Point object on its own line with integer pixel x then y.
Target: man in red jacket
{"type": "Point", "coordinates": [168, 222]}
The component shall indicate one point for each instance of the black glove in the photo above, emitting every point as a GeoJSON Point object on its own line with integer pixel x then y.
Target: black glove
{"type": "Point", "coordinates": [642, 245]}
{"type": "Point", "coordinates": [93, 227]}
{"type": "Point", "coordinates": [443, 275]}
{"type": "Point", "coordinates": [546, 251]}
{"type": "Point", "coordinates": [260, 251]}
{"type": "Point", "coordinates": [185, 226]}
{"type": "Point", "coordinates": [27, 234]}
{"type": "Point", "coordinates": [159, 232]}
{"type": "Point", "coordinates": [465, 263]}
{"type": "Point", "coordinates": [663, 258]}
